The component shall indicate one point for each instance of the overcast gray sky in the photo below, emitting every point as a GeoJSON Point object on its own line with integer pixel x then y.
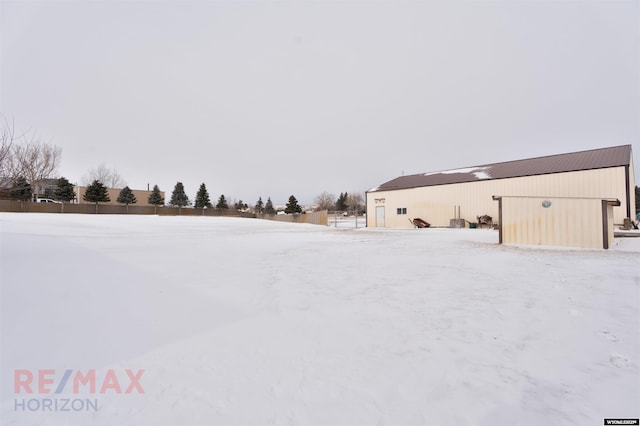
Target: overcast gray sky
{"type": "Point", "coordinates": [273, 98]}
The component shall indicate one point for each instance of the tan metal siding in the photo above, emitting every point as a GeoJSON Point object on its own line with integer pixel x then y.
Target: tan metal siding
{"type": "Point", "coordinates": [435, 204]}
{"type": "Point", "coordinates": [573, 222]}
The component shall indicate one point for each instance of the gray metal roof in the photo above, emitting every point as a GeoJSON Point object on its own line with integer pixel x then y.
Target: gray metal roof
{"type": "Point", "coordinates": [584, 160]}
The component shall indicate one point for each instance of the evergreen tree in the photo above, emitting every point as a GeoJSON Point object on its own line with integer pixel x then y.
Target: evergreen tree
{"type": "Point", "coordinates": [179, 197]}
{"type": "Point", "coordinates": [155, 198]}
{"type": "Point", "coordinates": [202, 198]}
{"type": "Point", "coordinates": [21, 189]}
{"type": "Point", "coordinates": [292, 206]}
{"type": "Point", "coordinates": [259, 208]}
{"type": "Point", "coordinates": [239, 205]}
{"type": "Point", "coordinates": [341, 204]}
{"type": "Point", "coordinates": [96, 193]}
{"type": "Point", "coordinates": [222, 203]}
{"type": "Point", "coordinates": [64, 191]}
{"type": "Point", "coordinates": [127, 197]}
{"type": "Point", "coordinates": [268, 208]}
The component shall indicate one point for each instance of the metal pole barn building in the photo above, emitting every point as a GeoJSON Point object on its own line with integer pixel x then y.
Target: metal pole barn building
{"type": "Point", "coordinates": [465, 194]}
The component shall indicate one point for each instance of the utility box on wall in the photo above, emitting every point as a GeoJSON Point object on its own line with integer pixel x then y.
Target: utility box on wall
{"type": "Point", "coordinates": [556, 221]}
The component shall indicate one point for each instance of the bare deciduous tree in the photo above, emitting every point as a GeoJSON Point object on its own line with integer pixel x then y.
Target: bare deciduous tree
{"type": "Point", "coordinates": [110, 177]}
{"type": "Point", "coordinates": [21, 155]}
{"type": "Point", "coordinates": [7, 135]}
{"type": "Point", "coordinates": [34, 160]}
{"type": "Point", "coordinates": [325, 201]}
{"type": "Point", "coordinates": [355, 201]}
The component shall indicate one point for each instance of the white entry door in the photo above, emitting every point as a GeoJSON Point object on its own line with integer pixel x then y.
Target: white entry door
{"type": "Point", "coordinates": [379, 216]}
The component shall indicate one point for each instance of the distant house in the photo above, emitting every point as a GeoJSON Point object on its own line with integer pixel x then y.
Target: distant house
{"type": "Point", "coordinates": [467, 193]}
{"type": "Point", "coordinates": [44, 188]}
{"type": "Point", "coordinates": [142, 196]}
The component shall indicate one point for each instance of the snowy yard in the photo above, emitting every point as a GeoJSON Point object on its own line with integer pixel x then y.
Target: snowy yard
{"type": "Point", "coordinates": [228, 321]}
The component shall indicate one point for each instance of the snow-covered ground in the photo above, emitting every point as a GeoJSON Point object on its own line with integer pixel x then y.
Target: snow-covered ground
{"type": "Point", "coordinates": [226, 321]}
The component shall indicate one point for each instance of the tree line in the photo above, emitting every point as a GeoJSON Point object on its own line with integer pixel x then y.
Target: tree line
{"type": "Point", "coordinates": [345, 202]}
{"type": "Point", "coordinates": [97, 192]}
{"type": "Point", "coordinates": [26, 160]}
{"type": "Point", "coordinates": [180, 199]}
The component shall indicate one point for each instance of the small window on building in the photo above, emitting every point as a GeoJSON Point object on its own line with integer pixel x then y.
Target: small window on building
{"type": "Point", "coordinates": [402, 210]}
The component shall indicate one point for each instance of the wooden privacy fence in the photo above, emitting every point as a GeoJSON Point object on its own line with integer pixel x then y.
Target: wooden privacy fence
{"type": "Point", "coordinates": [316, 218]}
{"type": "Point", "coordinates": [30, 207]}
